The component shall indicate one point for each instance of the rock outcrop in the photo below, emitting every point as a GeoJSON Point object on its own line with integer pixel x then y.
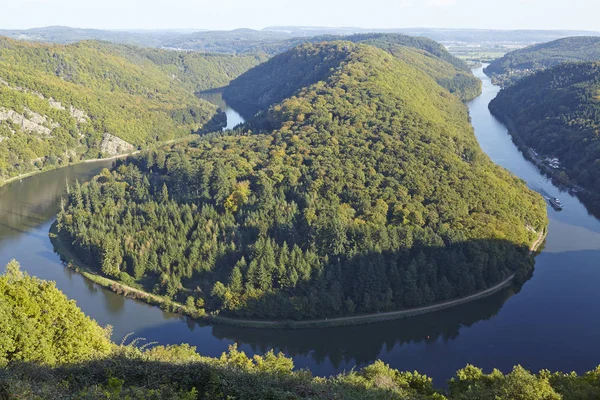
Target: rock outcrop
{"type": "Point", "coordinates": [31, 122]}
{"type": "Point", "coordinates": [112, 145]}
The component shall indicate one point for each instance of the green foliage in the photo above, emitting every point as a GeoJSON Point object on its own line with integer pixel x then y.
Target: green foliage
{"type": "Point", "coordinates": [70, 96]}
{"type": "Point", "coordinates": [385, 40]}
{"type": "Point", "coordinates": [99, 369]}
{"type": "Point", "coordinates": [520, 63]}
{"type": "Point", "coordinates": [557, 113]}
{"type": "Point", "coordinates": [471, 384]}
{"type": "Point", "coordinates": [364, 192]}
{"type": "Point", "coordinates": [422, 53]}
{"type": "Point", "coordinates": [196, 71]}
{"type": "Point", "coordinates": [39, 324]}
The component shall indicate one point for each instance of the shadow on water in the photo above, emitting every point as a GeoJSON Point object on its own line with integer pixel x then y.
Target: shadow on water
{"type": "Point", "coordinates": [367, 342]}
{"type": "Point", "coordinates": [237, 113]}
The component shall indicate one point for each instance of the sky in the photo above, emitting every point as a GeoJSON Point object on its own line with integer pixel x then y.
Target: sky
{"type": "Point", "coordinates": [257, 14]}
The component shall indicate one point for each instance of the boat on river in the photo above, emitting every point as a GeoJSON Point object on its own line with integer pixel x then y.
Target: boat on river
{"type": "Point", "coordinates": [555, 202]}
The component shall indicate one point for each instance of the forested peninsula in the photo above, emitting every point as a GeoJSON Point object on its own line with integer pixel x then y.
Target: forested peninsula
{"type": "Point", "coordinates": [60, 104]}
{"type": "Point", "coordinates": [556, 112]}
{"type": "Point", "coordinates": [49, 349]}
{"type": "Point", "coordinates": [359, 188]}
{"type": "Point", "coordinates": [521, 63]}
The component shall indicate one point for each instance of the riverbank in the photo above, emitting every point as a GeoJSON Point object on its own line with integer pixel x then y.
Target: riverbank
{"type": "Point", "coordinates": [529, 154]}
{"type": "Point", "coordinates": [93, 160]}
{"type": "Point", "coordinates": [62, 247]}
{"type": "Point", "coordinates": [43, 170]}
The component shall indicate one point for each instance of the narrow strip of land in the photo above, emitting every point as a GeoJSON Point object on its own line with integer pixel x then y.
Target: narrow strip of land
{"type": "Point", "coordinates": [368, 318]}
{"type": "Point", "coordinates": [68, 256]}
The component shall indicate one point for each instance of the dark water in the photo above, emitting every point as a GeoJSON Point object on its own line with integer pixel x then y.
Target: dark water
{"type": "Point", "coordinates": [551, 322]}
{"type": "Point", "coordinates": [234, 116]}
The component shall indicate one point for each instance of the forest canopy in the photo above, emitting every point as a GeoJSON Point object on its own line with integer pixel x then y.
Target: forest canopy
{"type": "Point", "coordinates": [520, 63]}
{"type": "Point", "coordinates": [427, 55]}
{"type": "Point", "coordinates": [362, 188]}
{"type": "Point", "coordinates": [39, 324]}
{"type": "Point", "coordinates": [63, 103]}
{"type": "Point", "coordinates": [556, 112]}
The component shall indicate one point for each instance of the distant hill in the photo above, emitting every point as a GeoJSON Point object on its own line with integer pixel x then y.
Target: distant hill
{"type": "Point", "coordinates": [520, 63]}
{"type": "Point", "coordinates": [63, 103]}
{"type": "Point", "coordinates": [557, 113]}
{"type": "Point", "coordinates": [225, 41]}
{"type": "Point", "coordinates": [66, 35]}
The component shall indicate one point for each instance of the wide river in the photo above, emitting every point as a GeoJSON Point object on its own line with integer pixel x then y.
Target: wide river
{"type": "Point", "coordinates": [551, 322]}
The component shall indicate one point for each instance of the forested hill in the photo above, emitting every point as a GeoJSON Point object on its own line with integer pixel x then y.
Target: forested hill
{"type": "Point", "coordinates": [384, 40]}
{"type": "Point", "coordinates": [557, 112]}
{"type": "Point", "coordinates": [365, 191]}
{"type": "Point", "coordinates": [425, 54]}
{"type": "Point", "coordinates": [49, 349]}
{"type": "Point", "coordinates": [272, 42]}
{"type": "Point", "coordinates": [62, 103]}
{"type": "Point", "coordinates": [520, 63]}
{"type": "Point", "coordinates": [196, 71]}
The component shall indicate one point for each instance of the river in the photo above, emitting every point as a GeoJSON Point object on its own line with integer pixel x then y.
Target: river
{"type": "Point", "coordinates": [236, 113]}
{"type": "Point", "coordinates": [550, 322]}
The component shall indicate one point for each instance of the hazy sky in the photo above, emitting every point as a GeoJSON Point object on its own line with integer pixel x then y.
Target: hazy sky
{"type": "Point", "coordinates": [229, 14]}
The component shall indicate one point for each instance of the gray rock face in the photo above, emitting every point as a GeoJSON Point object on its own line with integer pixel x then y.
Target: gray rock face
{"type": "Point", "coordinates": [112, 145]}
{"type": "Point", "coordinates": [55, 104]}
{"type": "Point", "coordinates": [79, 115]}
{"type": "Point", "coordinates": [33, 122]}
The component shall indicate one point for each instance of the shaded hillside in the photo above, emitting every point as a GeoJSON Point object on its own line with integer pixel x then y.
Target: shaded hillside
{"type": "Point", "coordinates": [557, 113]}
{"type": "Point", "coordinates": [63, 103]}
{"type": "Point", "coordinates": [425, 54]}
{"type": "Point", "coordinates": [520, 63]}
{"type": "Point", "coordinates": [62, 354]}
{"type": "Point", "coordinates": [365, 191]}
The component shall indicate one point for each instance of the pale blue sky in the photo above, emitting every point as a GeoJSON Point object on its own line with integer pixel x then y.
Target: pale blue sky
{"type": "Point", "coordinates": [229, 14]}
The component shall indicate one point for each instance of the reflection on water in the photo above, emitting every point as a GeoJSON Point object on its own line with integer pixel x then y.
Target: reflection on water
{"type": "Point", "coordinates": [27, 209]}
{"type": "Point", "coordinates": [367, 342]}
{"type": "Point", "coordinates": [549, 324]}
{"type": "Point", "coordinates": [236, 116]}
{"type": "Point", "coordinates": [565, 237]}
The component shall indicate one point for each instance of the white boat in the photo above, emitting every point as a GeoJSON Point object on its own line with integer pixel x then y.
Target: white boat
{"type": "Point", "coordinates": [555, 202]}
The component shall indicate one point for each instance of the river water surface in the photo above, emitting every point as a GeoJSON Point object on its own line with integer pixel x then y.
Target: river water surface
{"type": "Point", "coordinates": [551, 322]}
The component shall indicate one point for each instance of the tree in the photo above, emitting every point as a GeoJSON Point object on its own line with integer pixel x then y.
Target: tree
{"type": "Point", "coordinates": [235, 280]}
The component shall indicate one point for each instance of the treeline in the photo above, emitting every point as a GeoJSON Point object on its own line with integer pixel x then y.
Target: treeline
{"type": "Point", "coordinates": [58, 103]}
{"type": "Point", "coordinates": [556, 112]}
{"type": "Point", "coordinates": [366, 191]}
{"type": "Point", "coordinates": [517, 64]}
{"type": "Point", "coordinates": [49, 350]}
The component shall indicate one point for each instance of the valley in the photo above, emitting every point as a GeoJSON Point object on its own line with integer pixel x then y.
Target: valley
{"type": "Point", "coordinates": [478, 332]}
{"type": "Point", "coordinates": [299, 212]}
